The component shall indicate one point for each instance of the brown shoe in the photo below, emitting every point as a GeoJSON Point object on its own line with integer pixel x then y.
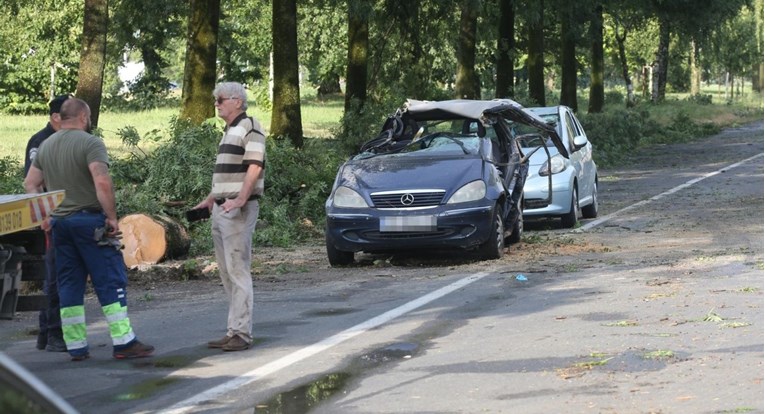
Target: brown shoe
{"type": "Point", "coordinates": [137, 350]}
{"type": "Point", "coordinates": [236, 344]}
{"type": "Point", "coordinates": [219, 343]}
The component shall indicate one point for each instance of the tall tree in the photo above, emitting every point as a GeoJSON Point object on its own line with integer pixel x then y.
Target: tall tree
{"type": "Point", "coordinates": [568, 36]}
{"type": "Point", "coordinates": [535, 62]}
{"type": "Point", "coordinates": [201, 52]}
{"type": "Point", "coordinates": [285, 114]}
{"type": "Point", "coordinates": [93, 56]}
{"type": "Point", "coordinates": [148, 26]}
{"type": "Point", "coordinates": [467, 85]}
{"type": "Point", "coordinates": [505, 49]}
{"type": "Point", "coordinates": [358, 54]}
{"type": "Point", "coordinates": [662, 61]}
{"type": "Point", "coordinates": [597, 64]}
{"type": "Point", "coordinates": [758, 69]}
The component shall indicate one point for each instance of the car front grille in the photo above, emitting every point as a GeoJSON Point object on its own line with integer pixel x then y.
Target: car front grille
{"type": "Point", "coordinates": [407, 235]}
{"type": "Point", "coordinates": [532, 203]}
{"type": "Point", "coordinates": [407, 199]}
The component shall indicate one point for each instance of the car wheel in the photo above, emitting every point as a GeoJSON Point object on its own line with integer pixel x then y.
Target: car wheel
{"type": "Point", "coordinates": [517, 233]}
{"type": "Point", "coordinates": [569, 220]}
{"type": "Point", "coordinates": [494, 247]}
{"type": "Point", "coordinates": [591, 211]}
{"type": "Point", "coordinates": [337, 257]}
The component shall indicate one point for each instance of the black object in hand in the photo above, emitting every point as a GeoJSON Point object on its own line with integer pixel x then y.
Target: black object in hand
{"type": "Point", "coordinates": [198, 214]}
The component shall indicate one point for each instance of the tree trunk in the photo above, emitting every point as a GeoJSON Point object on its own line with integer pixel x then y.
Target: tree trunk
{"type": "Point", "coordinates": [505, 49]}
{"type": "Point", "coordinates": [93, 56]}
{"type": "Point", "coordinates": [535, 62]}
{"type": "Point", "coordinates": [286, 119]}
{"type": "Point", "coordinates": [620, 39]}
{"type": "Point", "coordinates": [597, 92]}
{"type": "Point", "coordinates": [568, 56]}
{"type": "Point", "coordinates": [201, 54]}
{"type": "Point", "coordinates": [358, 55]}
{"type": "Point", "coordinates": [467, 85]}
{"type": "Point", "coordinates": [151, 239]}
{"type": "Point", "coordinates": [695, 70]}
{"type": "Point", "coordinates": [662, 60]}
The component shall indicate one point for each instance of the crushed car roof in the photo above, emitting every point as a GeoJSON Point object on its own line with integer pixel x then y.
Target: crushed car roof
{"type": "Point", "coordinates": [481, 110]}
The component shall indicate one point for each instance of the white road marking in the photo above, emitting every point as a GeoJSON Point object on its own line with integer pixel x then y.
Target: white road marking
{"type": "Point", "coordinates": [301, 354]}
{"type": "Point", "coordinates": [603, 219]}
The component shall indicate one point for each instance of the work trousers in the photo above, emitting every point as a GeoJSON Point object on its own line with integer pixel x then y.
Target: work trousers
{"type": "Point", "coordinates": [78, 254]}
{"type": "Point", "coordinates": [50, 317]}
{"type": "Point", "coordinates": [232, 236]}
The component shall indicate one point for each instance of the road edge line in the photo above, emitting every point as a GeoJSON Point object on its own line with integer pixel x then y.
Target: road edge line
{"type": "Point", "coordinates": [301, 354]}
{"type": "Point", "coordinates": [602, 220]}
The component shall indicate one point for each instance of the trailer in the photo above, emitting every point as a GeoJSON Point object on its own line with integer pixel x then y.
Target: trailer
{"type": "Point", "coordinates": [22, 249]}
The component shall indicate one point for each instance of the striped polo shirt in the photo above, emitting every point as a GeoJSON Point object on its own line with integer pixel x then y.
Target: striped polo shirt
{"type": "Point", "coordinates": [243, 144]}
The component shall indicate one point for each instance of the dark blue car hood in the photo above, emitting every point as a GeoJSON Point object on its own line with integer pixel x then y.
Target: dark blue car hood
{"type": "Point", "coordinates": [385, 173]}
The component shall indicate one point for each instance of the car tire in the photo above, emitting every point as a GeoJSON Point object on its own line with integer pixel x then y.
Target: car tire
{"type": "Point", "coordinates": [570, 219]}
{"type": "Point", "coordinates": [494, 247]}
{"type": "Point", "coordinates": [337, 257]}
{"type": "Point", "coordinates": [591, 211]}
{"type": "Point", "coordinates": [515, 236]}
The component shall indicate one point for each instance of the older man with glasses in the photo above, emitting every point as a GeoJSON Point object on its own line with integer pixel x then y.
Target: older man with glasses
{"type": "Point", "coordinates": [237, 184]}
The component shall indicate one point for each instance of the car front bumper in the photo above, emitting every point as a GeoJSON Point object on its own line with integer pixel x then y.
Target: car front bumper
{"type": "Point", "coordinates": [464, 227]}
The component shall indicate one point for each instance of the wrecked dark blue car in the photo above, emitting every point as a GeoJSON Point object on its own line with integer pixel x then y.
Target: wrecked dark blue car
{"type": "Point", "coordinates": [445, 174]}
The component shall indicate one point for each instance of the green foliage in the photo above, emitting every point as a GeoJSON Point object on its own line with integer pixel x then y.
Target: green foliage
{"type": "Point", "coordinates": [360, 124]}
{"type": "Point", "coordinates": [298, 182]}
{"type": "Point", "coordinates": [700, 98]}
{"type": "Point", "coordinates": [11, 176]}
{"type": "Point", "coordinates": [615, 132]}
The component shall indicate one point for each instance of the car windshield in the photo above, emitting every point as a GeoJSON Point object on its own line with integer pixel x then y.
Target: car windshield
{"type": "Point", "coordinates": [530, 136]}
{"type": "Point", "coordinates": [440, 137]}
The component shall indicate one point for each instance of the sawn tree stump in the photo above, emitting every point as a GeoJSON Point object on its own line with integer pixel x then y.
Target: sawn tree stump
{"type": "Point", "coordinates": [151, 239]}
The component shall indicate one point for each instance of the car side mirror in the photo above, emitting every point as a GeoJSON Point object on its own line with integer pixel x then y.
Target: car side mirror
{"type": "Point", "coordinates": [580, 141]}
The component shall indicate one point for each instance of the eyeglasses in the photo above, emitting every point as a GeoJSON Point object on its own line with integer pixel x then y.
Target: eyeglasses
{"type": "Point", "coordinates": [220, 99]}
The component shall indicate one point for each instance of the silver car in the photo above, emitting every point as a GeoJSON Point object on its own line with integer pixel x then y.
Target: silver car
{"type": "Point", "coordinates": [565, 188]}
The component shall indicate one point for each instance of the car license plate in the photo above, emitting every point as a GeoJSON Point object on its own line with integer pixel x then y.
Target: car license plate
{"type": "Point", "coordinates": [408, 223]}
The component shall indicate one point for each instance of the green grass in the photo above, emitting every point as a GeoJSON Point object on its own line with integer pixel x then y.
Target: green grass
{"type": "Point", "coordinates": [320, 119]}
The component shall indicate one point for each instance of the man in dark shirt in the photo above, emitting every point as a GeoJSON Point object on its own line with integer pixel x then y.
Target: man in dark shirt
{"type": "Point", "coordinates": [50, 337]}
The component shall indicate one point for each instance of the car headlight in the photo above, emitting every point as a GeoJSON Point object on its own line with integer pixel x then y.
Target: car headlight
{"type": "Point", "coordinates": [558, 165]}
{"type": "Point", "coordinates": [472, 191]}
{"type": "Point", "coordinates": [345, 197]}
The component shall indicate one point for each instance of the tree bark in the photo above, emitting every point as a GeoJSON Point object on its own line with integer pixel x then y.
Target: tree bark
{"type": "Point", "coordinates": [358, 55]}
{"type": "Point", "coordinates": [93, 56]}
{"type": "Point", "coordinates": [201, 54]}
{"type": "Point", "coordinates": [662, 60]}
{"type": "Point", "coordinates": [597, 90]}
{"type": "Point", "coordinates": [505, 50]}
{"type": "Point", "coordinates": [467, 85]}
{"type": "Point", "coordinates": [695, 70]}
{"type": "Point", "coordinates": [620, 39]}
{"type": "Point", "coordinates": [568, 56]}
{"type": "Point", "coordinates": [285, 114]}
{"type": "Point", "coordinates": [535, 62]}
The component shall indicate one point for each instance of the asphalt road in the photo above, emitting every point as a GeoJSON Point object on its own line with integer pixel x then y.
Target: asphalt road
{"type": "Point", "coordinates": [655, 307]}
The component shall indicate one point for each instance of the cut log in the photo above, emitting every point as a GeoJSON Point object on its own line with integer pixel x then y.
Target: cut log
{"type": "Point", "coordinates": [149, 239]}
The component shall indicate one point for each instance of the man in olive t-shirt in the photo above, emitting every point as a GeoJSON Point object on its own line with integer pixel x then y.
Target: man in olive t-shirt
{"type": "Point", "coordinates": [85, 228]}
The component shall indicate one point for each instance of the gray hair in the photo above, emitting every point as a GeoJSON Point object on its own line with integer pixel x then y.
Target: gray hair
{"type": "Point", "coordinates": [231, 90]}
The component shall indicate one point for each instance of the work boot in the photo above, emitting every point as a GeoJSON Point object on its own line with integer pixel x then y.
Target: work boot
{"type": "Point", "coordinates": [42, 341]}
{"type": "Point", "coordinates": [137, 350]}
{"type": "Point", "coordinates": [56, 344]}
{"type": "Point", "coordinates": [219, 343]}
{"type": "Point", "coordinates": [236, 344]}
{"type": "Point", "coordinates": [78, 358]}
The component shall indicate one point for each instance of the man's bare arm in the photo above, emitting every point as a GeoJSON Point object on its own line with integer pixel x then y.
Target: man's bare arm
{"type": "Point", "coordinates": [105, 192]}
{"type": "Point", "coordinates": [34, 181]}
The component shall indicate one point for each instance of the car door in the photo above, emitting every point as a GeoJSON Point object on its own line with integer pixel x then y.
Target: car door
{"type": "Point", "coordinates": [586, 172]}
{"type": "Point", "coordinates": [568, 129]}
